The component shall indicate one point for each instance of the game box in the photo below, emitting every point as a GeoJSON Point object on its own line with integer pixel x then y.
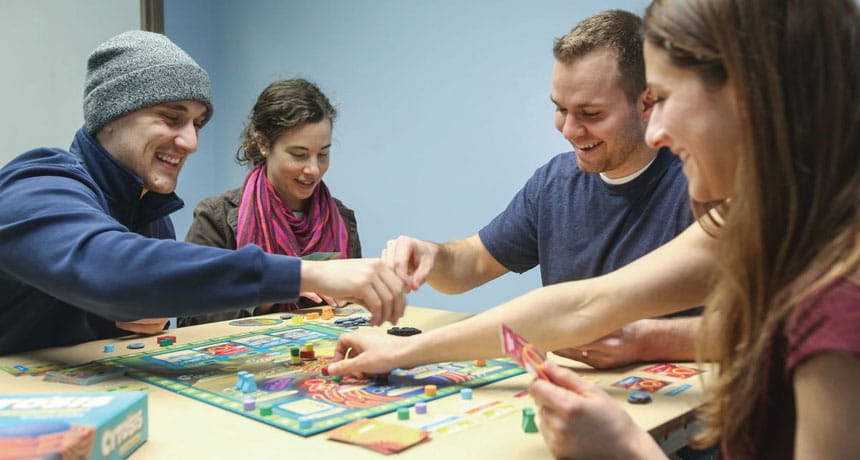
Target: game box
{"type": "Point", "coordinates": [87, 425]}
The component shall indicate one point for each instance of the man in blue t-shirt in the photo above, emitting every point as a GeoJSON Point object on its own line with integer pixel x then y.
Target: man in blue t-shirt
{"type": "Point", "coordinates": [587, 212]}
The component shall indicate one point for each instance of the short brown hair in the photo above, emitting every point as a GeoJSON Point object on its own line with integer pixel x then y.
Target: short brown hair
{"type": "Point", "coordinates": [617, 31]}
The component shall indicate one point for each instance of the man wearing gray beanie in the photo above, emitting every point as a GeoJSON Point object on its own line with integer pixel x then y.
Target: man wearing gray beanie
{"type": "Point", "coordinates": [87, 247]}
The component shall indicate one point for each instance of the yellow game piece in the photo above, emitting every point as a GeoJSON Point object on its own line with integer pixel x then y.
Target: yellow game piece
{"type": "Point", "coordinates": [429, 390]}
{"type": "Point", "coordinates": [309, 346]}
{"type": "Point", "coordinates": [480, 362]}
{"type": "Point", "coordinates": [296, 359]}
{"type": "Point", "coordinates": [327, 313]}
{"type": "Point", "coordinates": [298, 320]}
{"type": "Point", "coordinates": [313, 315]}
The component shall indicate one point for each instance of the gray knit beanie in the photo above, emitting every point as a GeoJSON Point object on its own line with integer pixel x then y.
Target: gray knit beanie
{"type": "Point", "coordinates": [138, 69]}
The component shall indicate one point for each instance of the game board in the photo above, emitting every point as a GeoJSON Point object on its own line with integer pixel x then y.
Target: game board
{"type": "Point", "coordinates": [301, 398]}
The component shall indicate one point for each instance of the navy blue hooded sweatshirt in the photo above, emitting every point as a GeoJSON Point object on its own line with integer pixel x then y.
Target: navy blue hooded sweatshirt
{"type": "Point", "coordinates": [80, 249]}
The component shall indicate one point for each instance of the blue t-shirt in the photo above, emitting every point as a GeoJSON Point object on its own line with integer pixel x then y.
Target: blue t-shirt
{"type": "Point", "coordinates": [576, 226]}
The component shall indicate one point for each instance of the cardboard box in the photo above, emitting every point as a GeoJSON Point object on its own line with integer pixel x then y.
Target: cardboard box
{"type": "Point", "coordinates": [86, 425]}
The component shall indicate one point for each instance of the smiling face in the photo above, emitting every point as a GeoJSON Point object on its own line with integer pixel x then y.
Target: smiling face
{"type": "Point", "coordinates": [154, 142]}
{"type": "Point", "coordinates": [594, 114]}
{"type": "Point", "coordinates": [297, 162]}
{"type": "Point", "coordinates": [698, 123]}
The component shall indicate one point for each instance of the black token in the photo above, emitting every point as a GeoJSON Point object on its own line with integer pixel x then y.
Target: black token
{"type": "Point", "coordinates": [404, 331]}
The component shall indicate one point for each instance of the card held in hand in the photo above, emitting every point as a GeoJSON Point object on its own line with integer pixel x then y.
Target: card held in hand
{"type": "Point", "coordinates": [524, 353]}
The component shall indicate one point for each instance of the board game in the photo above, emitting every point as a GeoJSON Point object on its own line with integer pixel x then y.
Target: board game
{"type": "Point", "coordinates": [296, 397]}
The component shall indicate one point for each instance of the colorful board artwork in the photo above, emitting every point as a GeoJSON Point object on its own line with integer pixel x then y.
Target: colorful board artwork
{"type": "Point", "coordinates": [301, 398]}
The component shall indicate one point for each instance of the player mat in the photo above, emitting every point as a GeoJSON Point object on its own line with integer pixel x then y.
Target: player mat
{"type": "Point", "coordinates": [296, 397]}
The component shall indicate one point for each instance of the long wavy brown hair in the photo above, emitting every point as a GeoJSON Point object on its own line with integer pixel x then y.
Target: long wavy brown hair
{"type": "Point", "coordinates": [792, 223]}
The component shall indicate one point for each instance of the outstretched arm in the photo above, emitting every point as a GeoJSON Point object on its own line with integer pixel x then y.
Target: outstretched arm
{"type": "Point", "coordinates": [451, 268]}
{"type": "Point", "coordinates": [674, 277]}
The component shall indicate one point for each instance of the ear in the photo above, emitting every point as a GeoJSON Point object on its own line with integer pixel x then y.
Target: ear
{"type": "Point", "coordinates": [262, 143]}
{"type": "Point", "coordinates": [646, 103]}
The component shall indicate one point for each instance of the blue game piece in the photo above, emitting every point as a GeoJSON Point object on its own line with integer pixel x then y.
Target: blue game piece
{"type": "Point", "coordinates": [109, 348]}
{"type": "Point", "coordinates": [135, 345]}
{"type": "Point", "coordinates": [240, 378]}
{"type": "Point", "coordinates": [466, 393]}
{"type": "Point", "coordinates": [639, 397]}
{"type": "Point", "coordinates": [248, 385]}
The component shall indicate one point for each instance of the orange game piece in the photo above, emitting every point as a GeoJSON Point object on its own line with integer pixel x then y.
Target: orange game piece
{"type": "Point", "coordinates": [429, 390]}
{"type": "Point", "coordinates": [313, 315]}
{"type": "Point", "coordinates": [480, 362]}
{"type": "Point", "coordinates": [327, 312]}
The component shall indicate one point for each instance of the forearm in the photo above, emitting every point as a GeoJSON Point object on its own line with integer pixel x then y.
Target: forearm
{"type": "Point", "coordinates": [461, 265]}
{"type": "Point", "coordinates": [672, 339]}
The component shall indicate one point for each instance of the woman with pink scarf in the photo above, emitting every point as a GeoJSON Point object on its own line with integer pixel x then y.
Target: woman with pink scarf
{"type": "Point", "coordinates": [284, 206]}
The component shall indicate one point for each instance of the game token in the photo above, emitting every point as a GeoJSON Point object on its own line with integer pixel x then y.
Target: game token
{"type": "Point", "coordinates": [403, 413]}
{"type": "Point", "coordinates": [286, 316]}
{"type": "Point", "coordinates": [421, 408]}
{"type": "Point", "coordinates": [404, 331]}
{"type": "Point", "coordinates": [429, 390]}
{"type": "Point", "coordinates": [109, 348]}
{"type": "Point", "coordinates": [528, 423]}
{"type": "Point", "coordinates": [135, 345]}
{"type": "Point", "coordinates": [639, 397]}
{"type": "Point", "coordinates": [249, 404]}
{"type": "Point", "coordinates": [266, 410]}
{"type": "Point", "coordinates": [466, 393]}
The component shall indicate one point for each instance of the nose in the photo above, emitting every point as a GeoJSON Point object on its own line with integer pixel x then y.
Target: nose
{"type": "Point", "coordinates": [186, 138]}
{"type": "Point", "coordinates": [312, 167]}
{"type": "Point", "coordinates": [571, 128]}
{"type": "Point", "coordinates": [655, 133]}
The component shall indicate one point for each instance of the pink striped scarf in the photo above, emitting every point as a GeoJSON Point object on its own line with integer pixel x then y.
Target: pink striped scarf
{"type": "Point", "coordinates": [264, 220]}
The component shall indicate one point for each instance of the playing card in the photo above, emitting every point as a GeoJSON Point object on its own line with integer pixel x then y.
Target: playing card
{"type": "Point", "coordinates": [523, 352]}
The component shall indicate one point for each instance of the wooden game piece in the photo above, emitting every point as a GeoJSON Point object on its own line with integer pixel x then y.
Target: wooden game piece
{"type": "Point", "coordinates": [109, 348]}
{"type": "Point", "coordinates": [421, 407]}
{"type": "Point", "coordinates": [327, 312]}
{"type": "Point", "coordinates": [429, 390]}
{"type": "Point", "coordinates": [480, 362]}
{"type": "Point", "coordinates": [135, 345]}
{"type": "Point", "coordinates": [312, 316]}
{"type": "Point", "coordinates": [466, 393]}
{"type": "Point", "coordinates": [403, 413]}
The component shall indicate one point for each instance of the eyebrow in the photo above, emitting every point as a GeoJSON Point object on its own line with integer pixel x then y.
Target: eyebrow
{"type": "Point", "coordinates": [302, 147]}
{"type": "Point", "coordinates": [579, 106]}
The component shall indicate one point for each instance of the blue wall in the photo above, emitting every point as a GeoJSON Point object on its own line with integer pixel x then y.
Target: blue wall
{"type": "Point", "coordinates": [444, 106]}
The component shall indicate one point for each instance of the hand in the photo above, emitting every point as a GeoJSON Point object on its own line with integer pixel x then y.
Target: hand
{"type": "Point", "coordinates": [579, 420]}
{"type": "Point", "coordinates": [319, 298]}
{"type": "Point", "coordinates": [411, 259]}
{"type": "Point", "coordinates": [616, 349]}
{"type": "Point", "coordinates": [147, 326]}
{"type": "Point", "coordinates": [364, 281]}
{"type": "Point", "coordinates": [370, 352]}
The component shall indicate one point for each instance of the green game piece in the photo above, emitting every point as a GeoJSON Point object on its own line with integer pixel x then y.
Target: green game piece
{"type": "Point", "coordinates": [265, 410]}
{"type": "Point", "coordinates": [336, 378]}
{"type": "Point", "coordinates": [403, 413]}
{"type": "Point", "coordinates": [294, 351]}
{"type": "Point", "coordinates": [529, 425]}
